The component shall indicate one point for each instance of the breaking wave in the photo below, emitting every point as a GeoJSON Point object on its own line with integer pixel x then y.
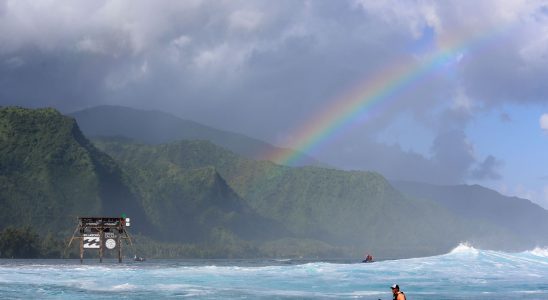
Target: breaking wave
{"type": "Point", "coordinates": [542, 252]}
{"type": "Point", "coordinates": [464, 248]}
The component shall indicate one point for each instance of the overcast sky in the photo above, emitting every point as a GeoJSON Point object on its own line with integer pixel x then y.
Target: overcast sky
{"type": "Point", "coordinates": [266, 68]}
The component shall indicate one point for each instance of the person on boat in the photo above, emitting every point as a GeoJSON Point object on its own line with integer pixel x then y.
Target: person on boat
{"type": "Point", "coordinates": [368, 258]}
{"type": "Point", "coordinates": [398, 295]}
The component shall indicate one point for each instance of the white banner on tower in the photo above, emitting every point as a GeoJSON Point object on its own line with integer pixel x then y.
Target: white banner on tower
{"type": "Point", "coordinates": [92, 241]}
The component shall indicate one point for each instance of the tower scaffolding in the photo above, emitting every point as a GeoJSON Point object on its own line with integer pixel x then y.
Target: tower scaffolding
{"type": "Point", "coordinates": [100, 233]}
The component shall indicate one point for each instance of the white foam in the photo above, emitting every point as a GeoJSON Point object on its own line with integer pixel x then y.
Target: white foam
{"type": "Point", "coordinates": [171, 287]}
{"type": "Point", "coordinates": [188, 289]}
{"type": "Point", "coordinates": [124, 287]}
{"type": "Point", "coordinates": [542, 252]}
{"type": "Point", "coordinates": [90, 285]}
{"type": "Point", "coordinates": [174, 287]}
{"type": "Point", "coordinates": [464, 248]}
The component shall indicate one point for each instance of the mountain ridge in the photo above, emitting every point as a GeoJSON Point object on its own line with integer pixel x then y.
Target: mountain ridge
{"type": "Point", "coordinates": [342, 208]}
{"type": "Point", "coordinates": [519, 216]}
{"type": "Point", "coordinates": [156, 127]}
{"type": "Point", "coordinates": [204, 200]}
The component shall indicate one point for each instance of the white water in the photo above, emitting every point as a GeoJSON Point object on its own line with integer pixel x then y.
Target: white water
{"type": "Point", "coordinates": [464, 273]}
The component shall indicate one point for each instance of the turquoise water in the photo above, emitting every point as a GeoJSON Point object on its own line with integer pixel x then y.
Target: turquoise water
{"type": "Point", "coordinates": [465, 273]}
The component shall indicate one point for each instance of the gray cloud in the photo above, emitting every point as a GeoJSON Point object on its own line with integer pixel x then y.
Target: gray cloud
{"type": "Point", "coordinates": [452, 152]}
{"type": "Point", "coordinates": [264, 68]}
{"type": "Point", "coordinates": [487, 169]}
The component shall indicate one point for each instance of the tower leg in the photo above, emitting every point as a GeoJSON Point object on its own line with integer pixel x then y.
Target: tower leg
{"type": "Point", "coordinates": [81, 250]}
{"type": "Point", "coordinates": [101, 239]}
{"type": "Point", "coordinates": [119, 249]}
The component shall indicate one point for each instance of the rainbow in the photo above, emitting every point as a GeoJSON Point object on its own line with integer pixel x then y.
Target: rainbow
{"type": "Point", "coordinates": [362, 101]}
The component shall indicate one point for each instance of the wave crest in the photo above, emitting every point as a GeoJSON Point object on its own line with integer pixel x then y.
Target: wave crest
{"type": "Point", "coordinates": [542, 252]}
{"type": "Point", "coordinates": [464, 248]}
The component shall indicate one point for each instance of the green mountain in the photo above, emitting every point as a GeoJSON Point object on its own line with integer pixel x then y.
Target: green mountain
{"type": "Point", "coordinates": [525, 222]}
{"type": "Point", "coordinates": [355, 210]}
{"type": "Point", "coordinates": [154, 127]}
{"type": "Point", "coordinates": [197, 199]}
{"type": "Point", "coordinates": [189, 204]}
{"type": "Point", "coordinates": [50, 173]}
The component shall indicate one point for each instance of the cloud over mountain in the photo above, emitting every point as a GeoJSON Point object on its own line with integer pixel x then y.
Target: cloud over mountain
{"type": "Point", "coordinates": [264, 68]}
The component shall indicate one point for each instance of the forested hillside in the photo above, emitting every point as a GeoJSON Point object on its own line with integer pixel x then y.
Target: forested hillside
{"type": "Point", "coordinates": [197, 199]}
{"type": "Point", "coordinates": [50, 174]}
{"type": "Point", "coordinates": [357, 210]}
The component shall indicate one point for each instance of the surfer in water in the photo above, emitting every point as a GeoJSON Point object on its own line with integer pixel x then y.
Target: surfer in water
{"type": "Point", "coordinates": [368, 258]}
{"type": "Point", "coordinates": [396, 292]}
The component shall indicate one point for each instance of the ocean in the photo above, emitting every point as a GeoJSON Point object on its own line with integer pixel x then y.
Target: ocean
{"type": "Point", "coordinates": [464, 273]}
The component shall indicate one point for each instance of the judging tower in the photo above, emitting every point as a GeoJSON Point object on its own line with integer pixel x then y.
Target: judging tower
{"type": "Point", "coordinates": [101, 233]}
